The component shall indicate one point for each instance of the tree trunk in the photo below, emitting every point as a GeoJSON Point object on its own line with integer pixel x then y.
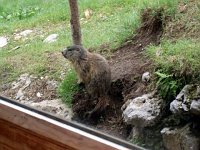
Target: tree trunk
{"type": "Point", "coordinates": [75, 22]}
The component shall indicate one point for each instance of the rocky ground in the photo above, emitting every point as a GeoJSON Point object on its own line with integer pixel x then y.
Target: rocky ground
{"type": "Point", "coordinates": [39, 93]}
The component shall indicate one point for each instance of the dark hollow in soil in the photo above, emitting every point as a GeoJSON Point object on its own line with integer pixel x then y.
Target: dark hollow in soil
{"type": "Point", "coordinates": [127, 66]}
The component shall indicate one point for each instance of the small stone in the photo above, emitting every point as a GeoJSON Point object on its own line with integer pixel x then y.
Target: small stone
{"type": "Point", "coordinates": [27, 83]}
{"type": "Point", "coordinates": [3, 41]}
{"type": "Point", "coordinates": [182, 8]}
{"type": "Point", "coordinates": [146, 77]}
{"type": "Point", "coordinates": [39, 94]}
{"type": "Point", "coordinates": [52, 84]}
{"type": "Point", "coordinates": [23, 82]}
{"type": "Point", "coordinates": [88, 13]}
{"type": "Point", "coordinates": [25, 33]}
{"type": "Point", "coordinates": [20, 94]}
{"type": "Point", "coordinates": [51, 38]}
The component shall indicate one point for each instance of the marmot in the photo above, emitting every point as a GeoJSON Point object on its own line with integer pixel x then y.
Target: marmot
{"type": "Point", "coordinates": [92, 69]}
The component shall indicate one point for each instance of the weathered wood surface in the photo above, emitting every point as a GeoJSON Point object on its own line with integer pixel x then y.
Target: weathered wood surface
{"type": "Point", "coordinates": [22, 129]}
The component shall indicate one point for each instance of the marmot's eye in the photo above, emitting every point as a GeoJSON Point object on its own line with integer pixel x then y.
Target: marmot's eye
{"type": "Point", "coordinates": [69, 49]}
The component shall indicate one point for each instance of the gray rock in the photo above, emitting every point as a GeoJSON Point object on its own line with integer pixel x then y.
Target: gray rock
{"type": "Point", "coordinates": [22, 34]}
{"type": "Point", "coordinates": [183, 95]}
{"type": "Point", "coordinates": [25, 33]}
{"type": "Point", "coordinates": [51, 38]}
{"type": "Point", "coordinates": [142, 111]}
{"type": "Point", "coordinates": [52, 84]}
{"type": "Point", "coordinates": [3, 41]}
{"type": "Point", "coordinates": [21, 84]}
{"type": "Point", "coordinates": [185, 101]}
{"type": "Point", "coordinates": [195, 107]}
{"type": "Point", "coordinates": [55, 107]}
{"type": "Point", "coordinates": [23, 81]}
{"type": "Point", "coordinates": [178, 107]}
{"type": "Point", "coordinates": [19, 94]}
{"type": "Point", "coordinates": [4, 87]}
{"type": "Point", "coordinates": [146, 77]}
{"type": "Point", "coordinates": [180, 139]}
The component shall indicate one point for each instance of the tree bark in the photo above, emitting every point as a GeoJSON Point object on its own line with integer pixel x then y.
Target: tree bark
{"type": "Point", "coordinates": [75, 22]}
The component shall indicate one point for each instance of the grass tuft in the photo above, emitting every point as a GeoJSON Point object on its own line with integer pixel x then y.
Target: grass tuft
{"type": "Point", "coordinates": [180, 57]}
{"type": "Point", "coordinates": [68, 87]}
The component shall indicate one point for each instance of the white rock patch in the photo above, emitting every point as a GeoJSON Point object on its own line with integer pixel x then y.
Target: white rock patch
{"type": "Point", "coordinates": [3, 41]}
{"type": "Point", "coordinates": [51, 38]}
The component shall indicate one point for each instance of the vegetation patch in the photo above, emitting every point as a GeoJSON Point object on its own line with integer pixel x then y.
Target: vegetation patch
{"type": "Point", "coordinates": [180, 58]}
{"type": "Point", "coordinates": [22, 13]}
{"type": "Point", "coordinates": [176, 58]}
{"type": "Point", "coordinates": [68, 87]}
{"type": "Point", "coordinates": [168, 85]}
{"type": "Point", "coordinates": [177, 64]}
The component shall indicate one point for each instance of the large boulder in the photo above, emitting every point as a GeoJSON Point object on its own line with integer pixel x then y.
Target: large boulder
{"type": "Point", "coordinates": [195, 107]}
{"type": "Point", "coordinates": [55, 107]}
{"type": "Point", "coordinates": [187, 101]}
{"type": "Point", "coordinates": [180, 139]}
{"type": "Point", "coordinates": [142, 111]}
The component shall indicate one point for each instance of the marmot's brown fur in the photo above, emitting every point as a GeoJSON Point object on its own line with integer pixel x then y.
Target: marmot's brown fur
{"type": "Point", "coordinates": [92, 69]}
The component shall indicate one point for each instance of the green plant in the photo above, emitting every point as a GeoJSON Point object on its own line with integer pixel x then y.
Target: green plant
{"type": "Point", "coordinates": [167, 85]}
{"type": "Point", "coordinates": [20, 14]}
{"type": "Point", "coordinates": [138, 141]}
{"type": "Point", "coordinates": [180, 57]}
{"type": "Point", "coordinates": [26, 12]}
{"type": "Point", "coordinates": [68, 87]}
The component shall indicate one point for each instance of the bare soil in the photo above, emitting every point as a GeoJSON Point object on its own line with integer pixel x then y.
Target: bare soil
{"type": "Point", "coordinates": [39, 89]}
{"type": "Point", "coordinates": [128, 63]}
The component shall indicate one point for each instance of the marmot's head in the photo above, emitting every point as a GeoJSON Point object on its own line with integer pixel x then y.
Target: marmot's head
{"type": "Point", "coordinates": [74, 53]}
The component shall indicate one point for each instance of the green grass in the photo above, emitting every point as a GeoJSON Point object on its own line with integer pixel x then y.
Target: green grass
{"type": "Point", "coordinates": [68, 87]}
{"type": "Point", "coordinates": [177, 64]}
{"type": "Point", "coordinates": [180, 57]}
